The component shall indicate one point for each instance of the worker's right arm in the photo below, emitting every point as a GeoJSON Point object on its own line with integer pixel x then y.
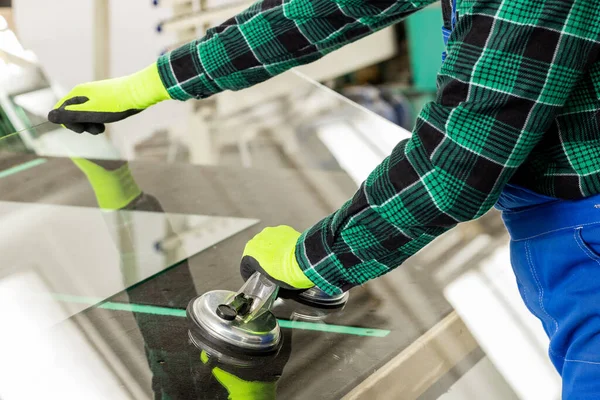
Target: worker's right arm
{"type": "Point", "coordinates": [267, 39]}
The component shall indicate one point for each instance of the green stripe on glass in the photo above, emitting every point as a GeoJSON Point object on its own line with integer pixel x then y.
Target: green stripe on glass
{"type": "Point", "coordinates": [22, 167]}
{"type": "Point", "coordinates": [143, 309]}
{"type": "Point", "coordinates": [346, 330]}
{"type": "Point", "coordinates": [176, 312]}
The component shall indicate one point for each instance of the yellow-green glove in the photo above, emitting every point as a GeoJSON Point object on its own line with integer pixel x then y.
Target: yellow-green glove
{"type": "Point", "coordinates": [273, 253]}
{"type": "Point", "coordinates": [112, 182]}
{"type": "Point", "coordinates": [241, 389]}
{"type": "Point", "coordinates": [91, 105]}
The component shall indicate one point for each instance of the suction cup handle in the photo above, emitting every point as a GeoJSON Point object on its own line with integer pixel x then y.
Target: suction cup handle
{"type": "Point", "coordinates": [240, 305]}
{"type": "Point", "coordinates": [254, 299]}
{"type": "Point", "coordinates": [263, 293]}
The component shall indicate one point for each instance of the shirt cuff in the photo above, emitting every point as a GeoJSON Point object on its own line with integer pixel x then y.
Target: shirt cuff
{"type": "Point", "coordinates": [320, 264]}
{"type": "Point", "coordinates": [179, 76]}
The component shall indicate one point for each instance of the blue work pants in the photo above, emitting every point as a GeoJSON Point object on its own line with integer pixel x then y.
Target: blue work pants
{"type": "Point", "coordinates": [555, 255]}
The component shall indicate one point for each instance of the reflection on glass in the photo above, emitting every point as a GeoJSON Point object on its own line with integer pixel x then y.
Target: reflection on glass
{"type": "Point", "coordinates": [96, 263]}
{"type": "Point", "coordinates": [99, 252]}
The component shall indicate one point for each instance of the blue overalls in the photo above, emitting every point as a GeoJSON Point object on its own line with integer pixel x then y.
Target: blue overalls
{"type": "Point", "coordinates": [555, 255]}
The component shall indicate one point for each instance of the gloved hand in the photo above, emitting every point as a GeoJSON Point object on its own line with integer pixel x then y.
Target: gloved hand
{"type": "Point", "coordinates": [91, 105]}
{"type": "Point", "coordinates": [243, 388]}
{"type": "Point", "coordinates": [113, 184]}
{"type": "Point", "coordinates": [273, 253]}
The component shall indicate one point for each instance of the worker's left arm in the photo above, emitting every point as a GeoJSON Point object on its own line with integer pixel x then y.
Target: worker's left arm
{"type": "Point", "coordinates": [268, 38]}
{"type": "Point", "coordinates": [271, 37]}
{"type": "Point", "coordinates": [510, 68]}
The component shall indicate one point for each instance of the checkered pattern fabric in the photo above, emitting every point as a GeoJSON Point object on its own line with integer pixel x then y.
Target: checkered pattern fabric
{"type": "Point", "coordinates": [518, 101]}
{"type": "Point", "coordinates": [271, 37]}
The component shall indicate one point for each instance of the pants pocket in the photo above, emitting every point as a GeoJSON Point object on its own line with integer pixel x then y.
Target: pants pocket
{"type": "Point", "coordinates": [531, 282]}
{"type": "Point", "coordinates": [565, 268]}
{"type": "Point", "coordinates": [588, 240]}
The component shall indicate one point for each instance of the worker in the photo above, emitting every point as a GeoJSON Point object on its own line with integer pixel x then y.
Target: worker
{"type": "Point", "coordinates": [516, 124]}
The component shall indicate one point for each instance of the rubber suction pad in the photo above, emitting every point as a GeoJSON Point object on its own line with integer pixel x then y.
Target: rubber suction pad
{"type": "Point", "coordinates": [315, 297]}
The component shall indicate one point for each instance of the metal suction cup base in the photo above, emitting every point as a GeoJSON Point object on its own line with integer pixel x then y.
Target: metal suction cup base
{"type": "Point", "coordinates": [316, 297]}
{"type": "Point", "coordinates": [229, 355]}
{"type": "Point", "coordinates": [260, 336]}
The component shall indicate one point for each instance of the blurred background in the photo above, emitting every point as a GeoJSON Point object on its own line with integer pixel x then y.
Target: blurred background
{"type": "Point", "coordinates": [463, 329]}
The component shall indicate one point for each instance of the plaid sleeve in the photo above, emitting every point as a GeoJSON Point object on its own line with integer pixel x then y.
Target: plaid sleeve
{"type": "Point", "coordinates": [511, 66]}
{"type": "Point", "coordinates": [271, 37]}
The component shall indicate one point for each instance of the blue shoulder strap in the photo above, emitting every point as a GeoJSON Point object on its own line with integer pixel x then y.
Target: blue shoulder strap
{"type": "Point", "coordinates": [447, 31]}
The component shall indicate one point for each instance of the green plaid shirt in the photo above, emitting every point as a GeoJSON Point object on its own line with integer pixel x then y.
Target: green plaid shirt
{"type": "Point", "coordinates": [518, 101]}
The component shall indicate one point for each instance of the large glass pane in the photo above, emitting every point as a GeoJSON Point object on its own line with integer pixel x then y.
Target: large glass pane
{"type": "Point", "coordinates": [101, 256]}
